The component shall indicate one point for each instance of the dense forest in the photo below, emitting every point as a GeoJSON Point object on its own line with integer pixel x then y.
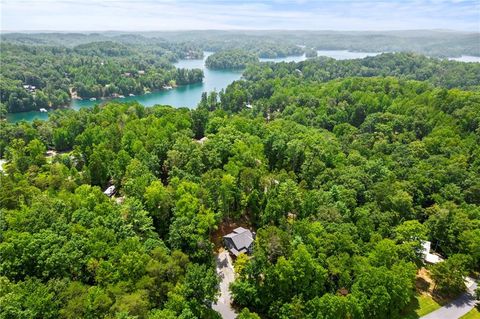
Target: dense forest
{"type": "Point", "coordinates": [43, 76]}
{"type": "Point", "coordinates": [410, 66]}
{"type": "Point", "coordinates": [435, 43]}
{"type": "Point", "coordinates": [232, 59]}
{"type": "Point", "coordinates": [341, 167]}
{"type": "Point", "coordinates": [185, 44]}
{"type": "Point", "coordinates": [273, 44]}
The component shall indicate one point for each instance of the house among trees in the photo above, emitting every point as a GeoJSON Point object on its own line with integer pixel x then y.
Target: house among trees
{"type": "Point", "coordinates": [429, 257]}
{"type": "Point", "coordinates": [202, 140]}
{"type": "Point", "coordinates": [30, 88]}
{"type": "Point", "coordinates": [239, 241]}
{"type": "Point", "coordinates": [110, 191]}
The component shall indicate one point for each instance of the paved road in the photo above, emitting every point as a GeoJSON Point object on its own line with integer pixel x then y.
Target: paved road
{"type": "Point", "coordinates": [227, 275]}
{"type": "Point", "coordinates": [456, 308]}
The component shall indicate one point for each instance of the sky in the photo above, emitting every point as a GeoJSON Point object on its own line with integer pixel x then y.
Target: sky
{"type": "Point", "coordinates": [154, 15]}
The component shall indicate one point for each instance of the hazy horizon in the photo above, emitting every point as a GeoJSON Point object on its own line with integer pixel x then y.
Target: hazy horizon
{"type": "Point", "coordinates": [236, 30]}
{"type": "Point", "coordinates": [187, 15]}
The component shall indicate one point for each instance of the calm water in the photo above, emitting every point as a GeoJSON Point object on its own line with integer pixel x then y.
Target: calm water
{"type": "Point", "coordinates": [345, 55]}
{"type": "Point", "coordinates": [296, 58]}
{"type": "Point", "coordinates": [189, 95]}
{"type": "Point", "coordinates": [467, 58]}
{"type": "Point", "coordinates": [185, 95]}
{"type": "Point", "coordinates": [336, 54]}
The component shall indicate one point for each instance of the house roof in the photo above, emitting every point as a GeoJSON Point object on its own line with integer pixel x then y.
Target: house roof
{"type": "Point", "coordinates": [429, 257]}
{"type": "Point", "coordinates": [241, 238]}
{"type": "Point", "coordinates": [240, 230]}
{"type": "Point", "coordinates": [238, 252]}
{"type": "Point", "coordinates": [433, 258]}
{"type": "Point", "coordinates": [426, 245]}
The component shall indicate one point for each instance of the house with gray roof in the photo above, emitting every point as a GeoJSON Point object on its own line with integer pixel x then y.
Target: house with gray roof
{"type": "Point", "coordinates": [240, 240]}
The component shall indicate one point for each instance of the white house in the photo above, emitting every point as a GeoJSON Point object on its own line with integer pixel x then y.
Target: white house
{"type": "Point", "coordinates": [429, 257]}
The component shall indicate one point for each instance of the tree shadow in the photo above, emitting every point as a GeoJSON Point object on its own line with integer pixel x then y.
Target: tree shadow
{"type": "Point", "coordinates": [421, 284]}
{"type": "Point", "coordinates": [223, 263]}
{"type": "Point", "coordinates": [410, 311]}
{"type": "Point", "coordinates": [457, 299]}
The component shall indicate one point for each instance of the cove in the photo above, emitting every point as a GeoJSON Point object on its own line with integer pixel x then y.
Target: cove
{"type": "Point", "coordinates": [187, 95]}
{"type": "Point", "coordinates": [182, 96]}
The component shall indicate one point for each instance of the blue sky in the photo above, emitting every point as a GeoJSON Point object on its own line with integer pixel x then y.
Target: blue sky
{"type": "Point", "coordinates": [138, 15]}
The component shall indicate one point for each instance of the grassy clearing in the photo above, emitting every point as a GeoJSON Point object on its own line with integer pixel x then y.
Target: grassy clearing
{"type": "Point", "coordinates": [423, 303]}
{"type": "Point", "coordinates": [472, 314]}
{"type": "Point", "coordinates": [426, 305]}
{"type": "Point", "coordinates": [420, 306]}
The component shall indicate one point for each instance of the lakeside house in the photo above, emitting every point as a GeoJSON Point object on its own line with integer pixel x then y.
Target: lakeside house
{"type": "Point", "coordinates": [240, 240]}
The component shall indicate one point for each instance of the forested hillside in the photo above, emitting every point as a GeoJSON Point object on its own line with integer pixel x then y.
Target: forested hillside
{"type": "Point", "coordinates": [411, 66]}
{"type": "Point", "coordinates": [341, 168]}
{"type": "Point", "coordinates": [48, 70]}
{"type": "Point", "coordinates": [277, 43]}
{"type": "Point", "coordinates": [230, 59]}
{"type": "Point", "coordinates": [43, 76]}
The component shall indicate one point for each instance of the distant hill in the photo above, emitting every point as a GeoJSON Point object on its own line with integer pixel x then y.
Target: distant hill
{"type": "Point", "coordinates": [438, 43]}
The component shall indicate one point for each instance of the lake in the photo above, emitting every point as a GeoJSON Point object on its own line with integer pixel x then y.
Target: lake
{"type": "Point", "coordinates": [336, 54]}
{"type": "Point", "coordinates": [189, 95]}
{"type": "Point", "coordinates": [467, 58]}
{"type": "Point", "coordinates": [293, 58]}
{"type": "Point", "coordinates": [345, 55]}
{"type": "Point", "coordinates": [182, 96]}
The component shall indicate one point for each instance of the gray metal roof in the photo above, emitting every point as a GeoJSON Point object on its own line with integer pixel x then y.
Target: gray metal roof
{"type": "Point", "coordinates": [236, 252]}
{"type": "Point", "coordinates": [242, 238]}
{"type": "Point", "coordinates": [239, 230]}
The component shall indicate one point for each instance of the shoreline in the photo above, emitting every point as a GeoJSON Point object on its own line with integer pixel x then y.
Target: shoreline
{"type": "Point", "coordinates": [101, 100]}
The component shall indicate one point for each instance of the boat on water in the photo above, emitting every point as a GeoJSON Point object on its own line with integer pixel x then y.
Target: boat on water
{"type": "Point", "coordinates": [93, 99]}
{"type": "Point", "coordinates": [131, 94]}
{"type": "Point", "coordinates": [167, 87]}
{"type": "Point", "coordinates": [43, 110]}
{"type": "Point", "coordinates": [121, 96]}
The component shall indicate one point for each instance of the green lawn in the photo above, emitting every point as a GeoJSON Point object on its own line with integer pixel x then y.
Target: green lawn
{"type": "Point", "coordinates": [472, 314]}
{"type": "Point", "coordinates": [426, 305]}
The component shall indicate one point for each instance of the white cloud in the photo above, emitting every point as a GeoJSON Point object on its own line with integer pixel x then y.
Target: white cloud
{"type": "Point", "coordinates": [71, 15]}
